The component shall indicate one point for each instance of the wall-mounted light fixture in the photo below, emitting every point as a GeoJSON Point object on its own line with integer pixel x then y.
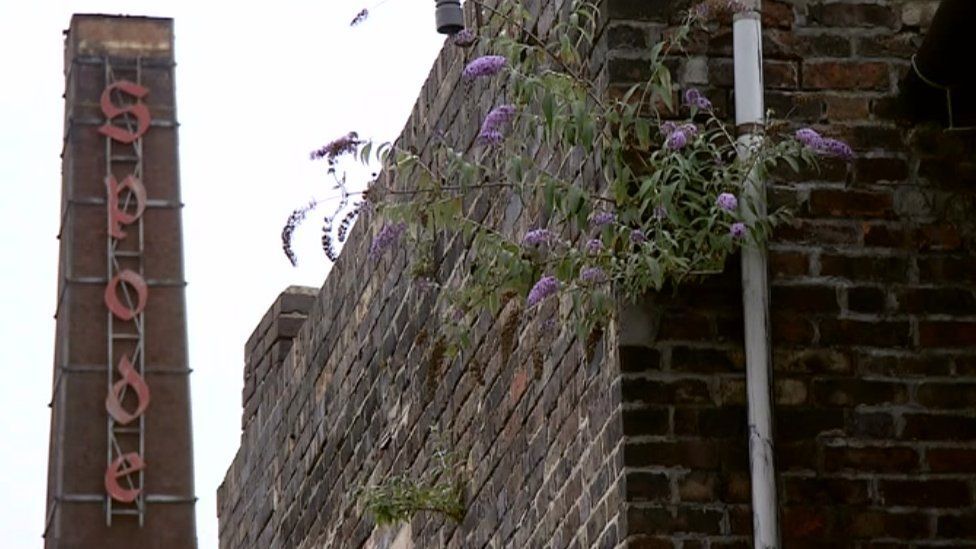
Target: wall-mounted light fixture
{"type": "Point", "coordinates": [449, 17]}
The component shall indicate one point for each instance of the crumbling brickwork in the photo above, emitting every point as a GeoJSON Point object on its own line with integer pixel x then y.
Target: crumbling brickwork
{"type": "Point", "coordinates": [644, 444]}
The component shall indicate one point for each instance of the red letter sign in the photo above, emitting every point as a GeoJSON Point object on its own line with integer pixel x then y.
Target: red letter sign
{"type": "Point", "coordinates": [123, 465]}
{"type": "Point", "coordinates": [112, 298]}
{"type": "Point", "coordinates": [130, 378]}
{"type": "Point", "coordinates": [117, 216]}
{"type": "Point", "coordinates": [140, 111]}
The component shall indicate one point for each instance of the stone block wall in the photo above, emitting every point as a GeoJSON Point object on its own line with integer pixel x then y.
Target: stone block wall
{"type": "Point", "coordinates": [644, 443]}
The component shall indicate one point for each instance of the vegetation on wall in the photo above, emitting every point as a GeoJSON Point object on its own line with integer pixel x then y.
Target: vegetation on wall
{"type": "Point", "coordinates": [568, 198]}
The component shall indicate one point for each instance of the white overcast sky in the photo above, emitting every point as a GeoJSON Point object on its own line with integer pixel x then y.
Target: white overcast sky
{"type": "Point", "coordinates": [259, 85]}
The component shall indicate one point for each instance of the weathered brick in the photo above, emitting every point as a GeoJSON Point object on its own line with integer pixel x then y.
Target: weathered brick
{"type": "Point", "coordinates": [951, 460]}
{"type": "Point", "coordinates": [848, 14]}
{"type": "Point", "coordinates": [638, 359]}
{"type": "Point", "coordinates": [845, 75]}
{"type": "Point", "coordinates": [824, 491]}
{"type": "Point", "coordinates": [807, 423]}
{"type": "Point", "coordinates": [646, 421]}
{"type": "Point", "coordinates": [866, 300]}
{"type": "Point", "coordinates": [840, 108]}
{"type": "Point", "coordinates": [937, 426]}
{"type": "Point", "coordinates": [784, 264]}
{"type": "Point", "coordinates": [643, 486]}
{"type": "Point", "coordinates": [805, 522]}
{"type": "Point", "coordinates": [812, 361]}
{"type": "Point", "coordinates": [850, 203]}
{"type": "Point", "coordinates": [805, 299]}
{"type": "Point", "coordinates": [864, 267]}
{"type": "Point", "coordinates": [947, 395]}
{"type": "Point", "coordinates": [851, 392]}
{"type": "Point", "coordinates": [694, 359]}
{"type": "Point", "coordinates": [724, 422]}
{"type": "Point", "coordinates": [901, 45]}
{"type": "Point", "coordinates": [876, 459]}
{"type": "Point", "coordinates": [946, 334]}
{"type": "Point", "coordinates": [699, 454]}
{"type": "Point", "coordinates": [865, 333]}
{"type": "Point", "coordinates": [957, 526]}
{"type": "Point", "coordinates": [925, 493]}
{"type": "Point", "coordinates": [791, 329]}
{"type": "Point", "coordinates": [818, 232]}
{"type": "Point", "coordinates": [862, 523]}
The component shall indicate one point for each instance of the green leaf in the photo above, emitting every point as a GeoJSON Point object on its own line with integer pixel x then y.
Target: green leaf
{"type": "Point", "coordinates": [643, 129]}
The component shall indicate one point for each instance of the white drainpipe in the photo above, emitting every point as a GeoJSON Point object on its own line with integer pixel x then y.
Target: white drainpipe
{"type": "Point", "coordinates": [749, 116]}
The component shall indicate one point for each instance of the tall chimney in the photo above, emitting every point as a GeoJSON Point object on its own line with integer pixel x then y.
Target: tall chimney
{"type": "Point", "coordinates": [120, 468]}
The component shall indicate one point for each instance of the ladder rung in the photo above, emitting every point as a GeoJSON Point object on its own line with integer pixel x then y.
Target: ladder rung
{"type": "Point", "coordinates": [125, 336]}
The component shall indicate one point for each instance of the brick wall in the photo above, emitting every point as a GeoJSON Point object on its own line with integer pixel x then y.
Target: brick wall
{"type": "Point", "coordinates": [644, 444]}
{"type": "Point", "coordinates": [872, 316]}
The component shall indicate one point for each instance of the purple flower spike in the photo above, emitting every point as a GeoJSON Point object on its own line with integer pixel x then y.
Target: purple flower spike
{"type": "Point", "coordinates": [464, 38]}
{"type": "Point", "coordinates": [677, 140]}
{"type": "Point", "coordinates": [593, 275]}
{"type": "Point", "coordinates": [491, 137]}
{"type": "Point", "coordinates": [667, 128]}
{"type": "Point", "coordinates": [727, 202]}
{"type": "Point", "coordinates": [602, 219]}
{"type": "Point", "coordinates": [737, 230]}
{"type": "Point", "coordinates": [703, 104]}
{"type": "Point", "coordinates": [808, 137]}
{"type": "Point", "coordinates": [491, 128]}
{"type": "Point", "coordinates": [387, 238]}
{"type": "Point", "coordinates": [637, 236]}
{"type": "Point", "coordinates": [692, 95]}
{"type": "Point", "coordinates": [594, 246]}
{"type": "Point", "coordinates": [487, 65]}
{"type": "Point", "coordinates": [835, 148]}
{"type": "Point", "coordinates": [346, 144]}
{"type": "Point", "coordinates": [660, 212]}
{"type": "Point", "coordinates": [545, 287]}
{"type": "Point", "coordinates": [736, 6]}
{"type": "Point", "coordinates": [824, 146]}
{"type": "Point", "coordinates": [536, 237]}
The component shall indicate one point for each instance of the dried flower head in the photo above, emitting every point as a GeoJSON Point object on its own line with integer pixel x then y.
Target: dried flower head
{"type": "Point", "coordinates": [294, 220]}
{"type": "Point", "coordinates": [545, 287]}
{"type": "Point", "coordinates": [486, 65]}
{"type": "Point", "coordinates": [360, 17]}
{"type": "Point", "coordinates": [347, 144]}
